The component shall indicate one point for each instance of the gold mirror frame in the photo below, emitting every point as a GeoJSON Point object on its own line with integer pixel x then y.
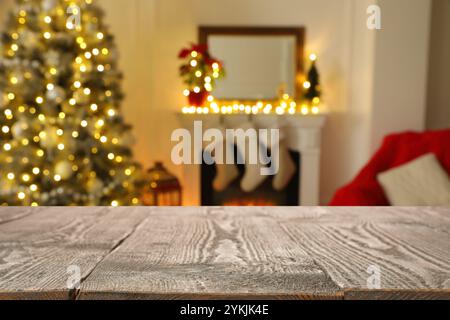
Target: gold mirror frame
{"type": "Point", "coordinates": [298, 32]}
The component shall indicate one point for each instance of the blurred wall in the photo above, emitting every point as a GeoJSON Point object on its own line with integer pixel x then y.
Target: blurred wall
{"type": "Point", "coordinates": [438, 115]}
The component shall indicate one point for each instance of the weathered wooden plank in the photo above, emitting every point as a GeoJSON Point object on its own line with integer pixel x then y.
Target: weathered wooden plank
{"type": "Point", "coordinates": [233, 253]}
{"type": "Point", "coordinates": [409, 254]}
{"type": "Point", "coordinates": [37, 250]}
{"type": "Point", "coordinates": [11, 214]}
{"type": "Point", "coordinates": [208, 254]}
{"type": "Point", "coordinates": [397, 295]}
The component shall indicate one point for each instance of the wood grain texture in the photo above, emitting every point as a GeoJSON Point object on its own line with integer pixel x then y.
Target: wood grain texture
{"type": "Point", "coordinates": [278, 253]}
{"type": "Point", "coordinates": [232, 253]}
{"type": "Point", "coordinates": [14, 214]}
{"type": "Point", "coordinates": [36, 250]}
{"type": "Point", "coordinates": [208, 253]}
{"type": "Point", "coordinates": [410, 247]}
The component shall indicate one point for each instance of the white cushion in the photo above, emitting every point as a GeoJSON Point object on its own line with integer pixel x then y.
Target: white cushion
{"type": "Point", "coordinates": [422, 182]}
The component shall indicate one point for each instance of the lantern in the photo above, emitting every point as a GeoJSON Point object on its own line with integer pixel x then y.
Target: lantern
{"type": "Point", "coordinates": [162, 188]}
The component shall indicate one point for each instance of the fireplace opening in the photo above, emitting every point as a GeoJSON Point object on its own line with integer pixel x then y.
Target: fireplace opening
{"type": "Point", "coordinates": [264, 195]}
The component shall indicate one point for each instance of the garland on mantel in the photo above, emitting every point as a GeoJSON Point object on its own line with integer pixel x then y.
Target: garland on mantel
{"type": "Point", "coordinates": [310, 103]}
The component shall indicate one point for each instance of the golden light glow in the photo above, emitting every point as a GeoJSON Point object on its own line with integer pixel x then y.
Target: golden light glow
{"type": "Point", "coordinates": [286, 105]}
{"type": "Point", "coordinates": [8, 114]}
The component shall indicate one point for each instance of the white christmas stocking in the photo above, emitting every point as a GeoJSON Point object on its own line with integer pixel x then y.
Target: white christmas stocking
{"type": "Point", "coordinates": [215, 153]}
{"type": "Point", "coordinates": [249, 152]}
{"type": "Point", "coordinates": [282, 163]}
{"type": "Point", "coordinates": [286, 169]}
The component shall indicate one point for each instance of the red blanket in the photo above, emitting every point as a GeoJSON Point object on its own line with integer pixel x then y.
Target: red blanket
{"type": "Point", "coordinates": [397, 149]}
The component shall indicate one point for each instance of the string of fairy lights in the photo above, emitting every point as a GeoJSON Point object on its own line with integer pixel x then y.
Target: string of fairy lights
{"type": "Point", "coordinates": [284, 105]}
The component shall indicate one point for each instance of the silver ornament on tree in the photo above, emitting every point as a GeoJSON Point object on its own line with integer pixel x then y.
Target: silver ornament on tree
{"type": "Point", "coordinates": [50, 138]}
{"type": "Point", "coordinates": [28, 39]}
{"type": "Point", "coordinates": [95, 186]}
{"type": "Point", "coordinates": [19, 129]}
{"type": "Point", "coordinates": [64, 169]}
{"type": "Point", "coordinates": [48, 5]}
{"type": "Point", "coordinates": [53, 58]}
{"type": "Point", "coordinates": [56, 94]}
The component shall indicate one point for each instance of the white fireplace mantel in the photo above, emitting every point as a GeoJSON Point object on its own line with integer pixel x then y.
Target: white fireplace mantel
{"type": "Point", "coordinates": [303, 136]}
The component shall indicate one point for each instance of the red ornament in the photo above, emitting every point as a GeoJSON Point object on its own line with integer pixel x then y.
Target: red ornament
{"type": "Point", "coordinates": [197, 99]}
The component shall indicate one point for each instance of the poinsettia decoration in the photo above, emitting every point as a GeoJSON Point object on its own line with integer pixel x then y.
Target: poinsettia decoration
{"type": "Point", "coordinates": [199, 72]}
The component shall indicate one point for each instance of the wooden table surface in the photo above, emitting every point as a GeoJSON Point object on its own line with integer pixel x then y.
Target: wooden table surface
{"type": "Point", "coordinates": [225, 253]}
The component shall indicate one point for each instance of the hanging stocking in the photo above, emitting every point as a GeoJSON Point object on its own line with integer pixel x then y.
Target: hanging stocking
{"type": "Point", "coordinates": [252, 178]}
{"type": "Point", "coordinates": [214, 153]}
{"type": "Point", "coordinates": [281, 160]}
{"type": "Point", "coordinates": [287, 169]}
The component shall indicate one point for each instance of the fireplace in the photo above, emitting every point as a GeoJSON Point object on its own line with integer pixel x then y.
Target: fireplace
{"type": "Point", "coordinates": [264, 195]}
{"type": "Point", "coordinates": [303, 136]}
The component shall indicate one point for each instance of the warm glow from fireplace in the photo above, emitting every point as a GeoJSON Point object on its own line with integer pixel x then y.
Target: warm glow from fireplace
{"type": "Point", "coordinates": [250, 203]}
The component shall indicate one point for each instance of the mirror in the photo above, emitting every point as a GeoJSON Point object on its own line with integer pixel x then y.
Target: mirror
{"type": "Point", "coordinates": [258, 61]}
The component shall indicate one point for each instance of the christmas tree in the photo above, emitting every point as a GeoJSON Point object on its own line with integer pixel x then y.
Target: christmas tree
{"type": "Point", "coordinates": [63, 140]}
{"type": "Point", "coordinates": [312, 85]}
